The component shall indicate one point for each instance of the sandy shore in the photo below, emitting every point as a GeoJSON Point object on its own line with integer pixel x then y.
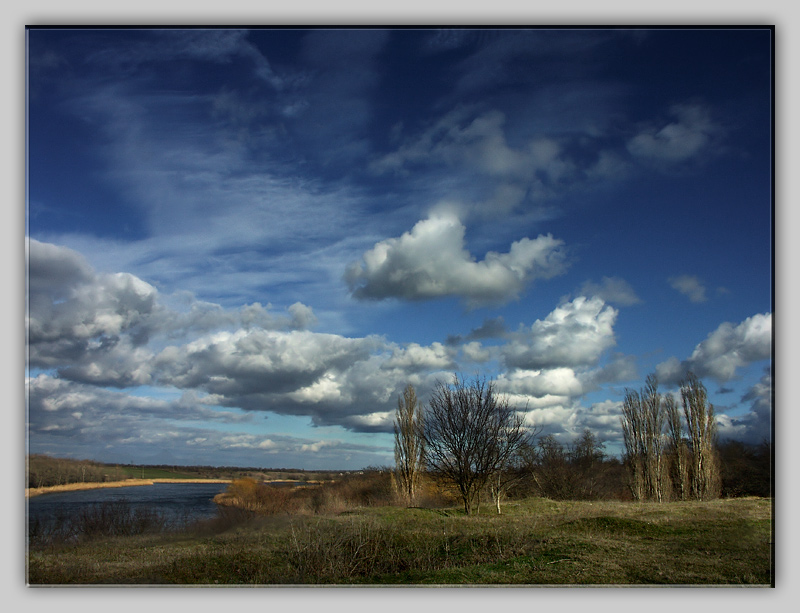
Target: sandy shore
{"type": "Point", "coordinates": [72, 487]}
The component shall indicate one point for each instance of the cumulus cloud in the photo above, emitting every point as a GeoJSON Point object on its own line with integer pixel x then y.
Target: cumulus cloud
{"type": "Point", "coordinates": [611, 289]}
{"type": "Point", "coordinates": [414, 357]}
{"type": "Point", "coordinates": [67, 408]}
{"type": "Point", "coordinates": [724, 351]}
{"type": "Point", "coordinates": [334, 380]}
{"type": "Point", "coordinates": [576, 333]}
{"type": "Point", "coordinates": [755, 426]}
{"type": "Point", "coordinates": [561, 382]}
{"type": "Point", "coordinates": [98, 421]}
{"type": "Point", "coordinates": [81, 318]}
{"type": "Point", "coordinates": [118, 331]}
{"type": "Point", "coordinates": [67, 300]}
{"type": "Point", "coordinates": [247, 363]}
{"type": "Point", "coordinates": [431, 261]}
{"type": "Point", "coordinates": [690, 286]}
{"type": "Point", "coordinates": [100, 327]}
{"type": "Point", "coordinates": [620, 367]}
{"type": "Point", "coordinates": [475, 352]}
{"type": "Point", "coordinates": [689, 135]}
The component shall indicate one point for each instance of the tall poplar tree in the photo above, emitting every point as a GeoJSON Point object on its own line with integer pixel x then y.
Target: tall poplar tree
{"type": "Point", "coordinates": [702, 426]}
{"type": "Point", "coordinates": [408, 444]}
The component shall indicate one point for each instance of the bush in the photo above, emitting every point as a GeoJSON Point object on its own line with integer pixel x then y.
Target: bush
{"type": "Point", "coordinates": [255, 496]}
{"type": "Point", "coordinates": [110, 518]}
{"type": "Point", "coordinates": [368, 488]}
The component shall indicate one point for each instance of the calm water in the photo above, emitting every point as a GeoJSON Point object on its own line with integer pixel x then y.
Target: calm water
{"type": "Point", "coordinates": [177, 501]}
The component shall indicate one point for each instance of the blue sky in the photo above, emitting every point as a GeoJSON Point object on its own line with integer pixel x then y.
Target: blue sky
{"type": "Point", "coordinates": [244, 244]}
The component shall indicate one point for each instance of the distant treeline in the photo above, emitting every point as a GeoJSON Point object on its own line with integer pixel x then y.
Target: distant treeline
{"type": "Point", "coordinates": [581, 471]}
{"type": "Point", "coordinates": [232, 472]}
{"type": "Point", "coordinates": [46, 471]}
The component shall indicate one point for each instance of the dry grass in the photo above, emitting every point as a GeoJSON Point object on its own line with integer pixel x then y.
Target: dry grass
{"type": "Point", "coordinates": [74, 487]}
{"type": "Point", "coordinates": [535, 542]}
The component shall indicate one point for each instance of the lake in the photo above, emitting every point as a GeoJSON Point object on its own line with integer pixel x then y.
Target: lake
{"type": "Point", "coordinates": [179, 502]}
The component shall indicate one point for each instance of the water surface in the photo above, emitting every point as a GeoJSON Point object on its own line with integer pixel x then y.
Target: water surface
{"type": "Point", "coordinates": [177, 501]}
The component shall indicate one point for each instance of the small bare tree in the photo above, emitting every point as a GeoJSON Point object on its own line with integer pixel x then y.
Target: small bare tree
{"type": "Point", "coordinates": [470, 433]}
{"type": "Point", "coordinates": [516, 467]}
{"type": "Point", "coordinates": [408, 444]}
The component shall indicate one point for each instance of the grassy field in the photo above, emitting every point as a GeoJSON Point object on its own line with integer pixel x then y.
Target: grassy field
{"type": "Point", "coordinates": [136, 472]}
{"type": "Point", "coordinates": [534, 542]}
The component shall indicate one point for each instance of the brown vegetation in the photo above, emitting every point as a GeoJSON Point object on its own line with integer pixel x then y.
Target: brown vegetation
{"type": "Point", "coordinates": [74, 487]}
{"type": "Point", "coordinates": [409, 451]}
{"type": "Point", "coordinates": [372, 487]}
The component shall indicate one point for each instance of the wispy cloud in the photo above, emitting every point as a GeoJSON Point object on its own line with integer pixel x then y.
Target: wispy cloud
{"type": "Point", "coordinates": [691, 134]}
{"type": "Point", "coordinates": [690, 286]}
{"type": "Point", "coordinates": [611, 289]}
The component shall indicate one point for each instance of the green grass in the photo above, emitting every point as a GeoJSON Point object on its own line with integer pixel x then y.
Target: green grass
{"type": "Point", "coordinates": [534, 542]}
{"type": "Point", "coordinates": [155, 473]}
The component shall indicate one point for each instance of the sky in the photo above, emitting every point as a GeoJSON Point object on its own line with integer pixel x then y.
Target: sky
{"type": "Point", "coordinates": [243, 244]}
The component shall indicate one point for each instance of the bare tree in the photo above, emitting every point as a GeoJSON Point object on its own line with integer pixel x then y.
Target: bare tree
{"type": "Point", "coordinates": [586, 456]}
{"type": "Point", "coordinates": [633, 439]}
{"type": "Point", "coordinates": [702, 428]}
{"type": "Point", "coordinates": [643, 418]}
{"type": "Point", "coordinates": [569, 472]}
{"type": "Point", "coordinates": [515, 469]}
{"type": "Point", "coordinates": [678, 453]}
{"type": "Point", "coordinates": [551, 470]}
{"type": "Point", "coordinates": [470, 433]}
{"type": "Point", "coordinates": [408, 444]}
{"type": "Point", "coordinates": [654, 420]}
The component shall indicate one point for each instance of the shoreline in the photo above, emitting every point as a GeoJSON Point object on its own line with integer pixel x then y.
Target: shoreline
{"type": "Point", "coordinates": [74, 487]}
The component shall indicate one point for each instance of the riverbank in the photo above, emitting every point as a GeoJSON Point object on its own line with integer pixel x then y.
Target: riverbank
{"type": "Point", "coordinates": [74, 487]}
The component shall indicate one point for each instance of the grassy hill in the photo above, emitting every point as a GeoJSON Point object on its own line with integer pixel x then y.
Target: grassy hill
{"type": "Point", "coordinates": [535, 541]}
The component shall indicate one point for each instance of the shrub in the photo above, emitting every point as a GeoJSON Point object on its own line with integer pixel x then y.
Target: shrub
{"type": "Point", "coordinates": [255, 496]}
{"type": "Point", "coordinates": [110, 518]}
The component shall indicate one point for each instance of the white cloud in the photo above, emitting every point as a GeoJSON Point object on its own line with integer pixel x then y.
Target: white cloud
{"type": "Point", "coordinates": [611, 289]}
{"type": "Point", "coordinates": [724, 351]}
{"type": "Point", "coordinates": [540, 383]}
{"type": "Point", "coordinates": [87, 411]}
{"type": "Point", "coordinates": [414, 357]}
{"type": "Point", "coordinates": [464, 141]}
{"type": "Point", "coordinates": [431, 261]}
{"type": "Point", "coordinates": [576, 333]}
{"type": "Point", "coordinates": [689, 286]}
{"type": "Point", "coordinates": [259, 361]}
{"type": "Point", "coordinates": [102, 327]}
{"type": "Point", "coordinates": [756, 425]}
{"type": "Point", "coordinates": [67, 300]}
{"type": "Point", "coordinates": [474, 351]}
{"type": "Point", "coordinates": [677, 141]}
